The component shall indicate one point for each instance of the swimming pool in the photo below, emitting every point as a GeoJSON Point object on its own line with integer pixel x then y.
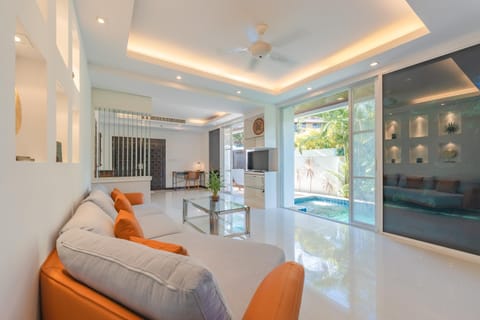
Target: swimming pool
{"type": "Point", "coordinates": [327, 207]}
{"type": "Point", "coordinates": [337, 209]}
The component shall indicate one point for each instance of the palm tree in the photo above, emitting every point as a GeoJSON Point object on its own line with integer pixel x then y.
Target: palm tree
{"type": "Point", "coordinates": [334, 133]}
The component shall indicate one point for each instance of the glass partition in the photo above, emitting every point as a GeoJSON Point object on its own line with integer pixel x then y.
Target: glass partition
{"type": "Point", "coordinates": [431, 182]}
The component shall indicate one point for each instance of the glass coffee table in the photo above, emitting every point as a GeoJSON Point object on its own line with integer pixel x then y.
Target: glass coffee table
{"type": "Point", "coordinates": [223, 217]}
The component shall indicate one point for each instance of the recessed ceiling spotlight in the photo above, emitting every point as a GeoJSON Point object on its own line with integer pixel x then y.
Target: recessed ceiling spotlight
{"type": "Point", "coordinates": [179, 77]}
{"type": "Point", "coordinates": [442, 104]}
{"type": "Point", "coordinates": [340, 98]}
{"type": "Point", "coordinates": [239, 92]}
{"type": "Point", "coordinates": [309, 89]}
{"type": "Point", "coordinates": [18, 39]}
{"type": "Point", "coordinates": [374, 64]}
{"type": "Point", "coordinates": [101, 20]}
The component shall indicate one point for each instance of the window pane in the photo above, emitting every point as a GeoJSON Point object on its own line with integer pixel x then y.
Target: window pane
{"type": "Point", "coordinates": [363, 107]}
{"type": "Point", "coordinates": [364, 154]}
{"type": "Point", "coordinates": [364, 200]}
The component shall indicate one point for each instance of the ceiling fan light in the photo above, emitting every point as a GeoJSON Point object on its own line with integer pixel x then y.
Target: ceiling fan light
{"type": "Point", "coordinates": [260, 49]}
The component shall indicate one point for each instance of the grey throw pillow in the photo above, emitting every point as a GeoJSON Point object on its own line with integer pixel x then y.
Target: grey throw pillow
{"type": "Point", "coordinates": [104, 201]}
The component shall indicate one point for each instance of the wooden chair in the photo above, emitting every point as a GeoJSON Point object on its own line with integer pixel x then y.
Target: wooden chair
{"type": "Point", "coordinates": [192, 177]}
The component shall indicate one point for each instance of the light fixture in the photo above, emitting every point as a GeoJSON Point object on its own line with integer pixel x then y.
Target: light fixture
{"type": "Point", "coordinates": [101, 20]}
{"type": "Point", "coordinates": [18, 39]}
{"type": "Point", "coordinates": [340, 98]}
{"type": "Point", "coordinates": [309, 89]}
{"type": "Point", "coordinates": [442, 104]}
{"type": "Point", "coordinates": [374, 64]}
{"type": "Point", "coordinates": [179, 77]}
{"type": "Point", "coordinates": [239, 92]}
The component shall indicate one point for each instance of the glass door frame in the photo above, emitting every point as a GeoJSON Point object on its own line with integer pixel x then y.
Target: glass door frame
{"type": "Point", "coordinates": [375, 179]}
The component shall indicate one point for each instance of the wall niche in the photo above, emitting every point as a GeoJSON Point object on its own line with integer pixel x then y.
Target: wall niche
{"type": "Point", "coordinates": [31, 99]}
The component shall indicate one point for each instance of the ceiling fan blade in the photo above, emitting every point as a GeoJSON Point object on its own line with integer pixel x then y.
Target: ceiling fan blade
{"type": "Point", "coordinates": [253, 64]}
{"type": "Point", "coordinates": [275, 56]}
{"type": "Point", "coordinates": [252, 34]}
{"type": "Point", "coordinates": [289, 38]}
{"type": "Point", "coordinates": [224, 52]}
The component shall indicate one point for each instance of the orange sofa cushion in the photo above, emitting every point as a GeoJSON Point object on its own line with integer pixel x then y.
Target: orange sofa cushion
{"type": "Point", "coordinates": [134, 198]}
{"type": "Point", "coordinates": [115, 192]}
{"type": "Point", "coordinates": [126, 226]}
{"type": "Point", "coordinates": [279, 295]}
{"type": "Point", "coordinates": [170, 247]}
{"type": "Point", "coordinates": [122, 203]}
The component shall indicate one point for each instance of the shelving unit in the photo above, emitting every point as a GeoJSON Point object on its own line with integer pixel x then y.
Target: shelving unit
{"type": "Point", "coordinates": [449, 123]}
{"type": "Point", "coordinates": [392, 129]}
{"type": "Point", "coordinates": [418, 154]}
{"type": "Point", "coordinates": [62, 29]}
{"type": "Point", "coordinates": [75, 54]}
{"type": "Point", "coordinates": [449, 152]}
{"type": "Point", "coordinates": [62, 114]}
{"type": "Point", "coordinates": [418, 126]}
{"type": "Point", "coordinates": [393, 154]}
{"type": "Point", "coordinates": [31, 84]}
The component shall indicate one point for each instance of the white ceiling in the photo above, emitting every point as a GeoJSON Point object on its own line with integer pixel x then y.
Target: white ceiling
{"type": "Point", "coordinates": [145, 44]}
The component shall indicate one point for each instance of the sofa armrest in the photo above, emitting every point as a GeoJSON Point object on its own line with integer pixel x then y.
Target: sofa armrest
{"type": "Point", "coordinates": [62, 297]}
{"type": "Point", "coordinates": [135, 198]}
{"type": "Point", "coordinates": [279, 295]}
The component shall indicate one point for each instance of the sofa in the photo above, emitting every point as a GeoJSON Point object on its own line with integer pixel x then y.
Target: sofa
{"type": "Point", "coordinates": [92, 274]}
{"type": "Point", "coordinates": [432, 192]}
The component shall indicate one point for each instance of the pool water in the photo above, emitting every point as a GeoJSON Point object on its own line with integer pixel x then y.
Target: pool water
{"type": "Point", "coordinates": [331, 208]}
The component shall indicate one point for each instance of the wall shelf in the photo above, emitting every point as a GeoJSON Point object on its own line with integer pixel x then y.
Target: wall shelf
{"type": "Point", "coordinates": [418, 126]}
{"type": "Point", "coordinates": [31, 87]}
{"type": "Point", "coordinates": [418, 154]}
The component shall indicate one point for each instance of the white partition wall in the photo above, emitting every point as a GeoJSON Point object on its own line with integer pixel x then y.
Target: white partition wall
{"type": "Point", "coordinates": [37, 196]}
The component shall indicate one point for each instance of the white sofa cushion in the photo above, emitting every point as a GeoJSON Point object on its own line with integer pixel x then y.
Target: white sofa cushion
{"type": "Point", "coordinates": [104, 201]}
{"type": "Point", "coordinates": [153, 283]}
{"type": "Point", "coordinates": [157, 225]}
{"type": "Point", "coordinates": [90, 217]}
{"type": "Point", "coordinates": [239, 266]}
{"type": "Point", "coordinates": [147, 209]}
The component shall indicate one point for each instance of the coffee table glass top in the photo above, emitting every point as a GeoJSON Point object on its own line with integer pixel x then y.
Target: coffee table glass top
{"type": "Point", "coordinates": [223, 217]}
{"type": "Point", "coordinates": [220, 207]}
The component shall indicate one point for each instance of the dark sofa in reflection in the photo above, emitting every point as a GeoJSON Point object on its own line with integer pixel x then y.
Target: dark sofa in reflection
{"type": "Point", "coordinates": [432, 192]}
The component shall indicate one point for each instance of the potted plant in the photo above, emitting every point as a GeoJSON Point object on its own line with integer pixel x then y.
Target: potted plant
{"type": "Point", "coordinates": [214, 184]}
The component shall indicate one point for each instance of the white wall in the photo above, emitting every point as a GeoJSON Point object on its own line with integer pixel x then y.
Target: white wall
{"type": "Point", "coordinates": [183, 150]}
{"type": "Point", "coordinates": [36, 197]}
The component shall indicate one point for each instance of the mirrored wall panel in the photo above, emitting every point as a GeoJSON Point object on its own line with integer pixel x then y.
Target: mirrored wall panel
{"type": "Point", "coordinates": [431, 182]}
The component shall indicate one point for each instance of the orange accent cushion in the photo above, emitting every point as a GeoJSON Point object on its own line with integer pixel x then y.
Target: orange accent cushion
{"type": "Point", "coordinates": [115, 193]}
{"type": "Point", "coordinates": [126, 226]}
{"type": "Point", "coordinates": [279, 296]}
{"type": "Point", "coordinates": [122, 203]}
{"type": "Point", "coordinates": [135, 198]}
{"type": "Point", "coordinates": [170, 247]}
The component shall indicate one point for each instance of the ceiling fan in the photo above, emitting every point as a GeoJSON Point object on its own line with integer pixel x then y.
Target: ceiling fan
{"type": "Point", "coordinates": [260, 49]}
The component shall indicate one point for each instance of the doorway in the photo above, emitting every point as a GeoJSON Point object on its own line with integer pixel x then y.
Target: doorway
{"type": "Point", "coordinates": [157, 163]}
{"type": "Point", "coordinates": [128, 159]}
{"type": "Point", "coordinates": [334, 163]}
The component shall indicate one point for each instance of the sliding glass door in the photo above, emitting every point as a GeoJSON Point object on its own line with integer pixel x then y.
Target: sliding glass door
{"type": "Point", "coordinates": [334, 158]}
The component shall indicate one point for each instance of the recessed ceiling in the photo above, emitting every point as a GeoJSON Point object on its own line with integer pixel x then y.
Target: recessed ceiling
{"type": "Point", "coordinates": [195, 35]}
{"type": "Point", "coordinates": [145, 45]}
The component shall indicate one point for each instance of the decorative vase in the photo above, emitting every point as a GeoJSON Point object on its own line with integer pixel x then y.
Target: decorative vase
{"type": "Point", "coordinates": [215, 197]}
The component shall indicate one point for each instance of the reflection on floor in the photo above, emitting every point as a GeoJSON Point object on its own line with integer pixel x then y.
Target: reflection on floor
{"type": "Point", "coordinates": [353, 273]}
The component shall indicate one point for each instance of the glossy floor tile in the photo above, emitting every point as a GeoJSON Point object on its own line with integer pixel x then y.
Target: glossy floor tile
{"type": "Point", "coordinates": [351, 273]}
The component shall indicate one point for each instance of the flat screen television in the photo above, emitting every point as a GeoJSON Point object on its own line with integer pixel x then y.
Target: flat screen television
{"type": "Point", "coordinates": [257, 160]}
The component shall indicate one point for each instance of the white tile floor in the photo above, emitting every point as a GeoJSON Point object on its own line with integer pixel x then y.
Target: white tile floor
{"type": "Point", "coordinates": [353, 273]}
